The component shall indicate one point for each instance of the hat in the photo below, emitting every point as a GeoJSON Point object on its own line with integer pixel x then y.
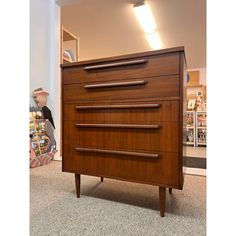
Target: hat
{"type": "Point", "coordinates": [40, 91]}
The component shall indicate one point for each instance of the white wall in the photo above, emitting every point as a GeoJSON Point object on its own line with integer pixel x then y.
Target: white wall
{"type": "Point", "coordinates": [45, 55]}
{"type": "Point", "coordinates": [40, 34]}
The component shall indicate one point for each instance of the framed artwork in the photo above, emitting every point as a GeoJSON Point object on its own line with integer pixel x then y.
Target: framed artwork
{"type": "Point", "coordinates": [191, 103]}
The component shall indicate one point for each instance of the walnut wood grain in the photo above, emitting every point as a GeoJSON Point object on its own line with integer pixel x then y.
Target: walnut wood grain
{"type": "Point", "coordinates": [127, 126]}
{"type": "Point", "coordinates": [160, 171]}
{"type": "Point", "coordinates": [77, 184]}
{"type": "Point", "coordinates": [163, 86]}
{"type": "Point", "coordinates": [162, 200]}
{"type": "Point", "coordinates": [166, 64]}
{"type": "Point", "coordinates": [116, 152]}
{"type": "Point", "coordinates": [126, 139]}
{"type": "Point", "coordinates": [110, 140]}
{"type": "Point", "coordinates": [97, 112]}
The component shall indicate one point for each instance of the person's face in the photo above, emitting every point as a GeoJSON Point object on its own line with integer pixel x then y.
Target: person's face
{"type": "Point", "coordinates": [41, 100]}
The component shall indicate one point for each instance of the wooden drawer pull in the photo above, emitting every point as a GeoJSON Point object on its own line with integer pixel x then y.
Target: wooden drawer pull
{"type": "Point", "coordinates": [119, 106]}
{"type": "Point", "coordinates": [150, 155]}
{"type": "Point", "coordinates": [124, 63]}
{"type": "Point", "coordinates": [115, 84]}
{"type": "Point", "coordinates": [119, 126]}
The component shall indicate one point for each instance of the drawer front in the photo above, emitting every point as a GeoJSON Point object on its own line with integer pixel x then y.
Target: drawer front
{"type": "Point", "coordinates": [162, 136]}
{"type": "Point", "coordinates": [161, 170]}
{"type": "Point", "coordinates": [167, 64]}
{"type": "Point", "coordinates": [154, 87]}
{"type": "Point", "coordinates": [127, 113]}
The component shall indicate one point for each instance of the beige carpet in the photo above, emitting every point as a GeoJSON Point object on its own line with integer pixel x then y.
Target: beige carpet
{"type": "Point", "coordinates": [112, 207]}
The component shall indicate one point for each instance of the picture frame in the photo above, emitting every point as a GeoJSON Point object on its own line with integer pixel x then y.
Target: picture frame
{"type": "Point", "coordinates": [191, 103]}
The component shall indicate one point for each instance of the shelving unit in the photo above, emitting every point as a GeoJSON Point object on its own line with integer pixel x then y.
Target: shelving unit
{"type": "Point", "coordinates": [65, 37]}
{"type": "Point", "coordinates": [201, 128]}
{"type": "Point", "coordinates": [190, 128]}
{"type": "Point", "coordinates": [39, 139]}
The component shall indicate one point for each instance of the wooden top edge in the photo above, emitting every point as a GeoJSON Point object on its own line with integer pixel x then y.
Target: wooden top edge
{"type": "Point", "coordinates": [127, 56]}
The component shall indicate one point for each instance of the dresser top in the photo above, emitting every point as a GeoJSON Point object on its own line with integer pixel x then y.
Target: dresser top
{"type": "Point", "coordinates": [127, 56]}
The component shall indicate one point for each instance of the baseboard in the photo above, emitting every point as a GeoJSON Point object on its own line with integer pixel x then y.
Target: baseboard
{"type": "Point", "coordinates": [57, 156]}
{"type": "Point", "coordinates": [195, 171]}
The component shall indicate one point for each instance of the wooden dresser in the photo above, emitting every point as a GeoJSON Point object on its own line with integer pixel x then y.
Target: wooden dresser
{"type": "Point", "coordinates": [122, 118]}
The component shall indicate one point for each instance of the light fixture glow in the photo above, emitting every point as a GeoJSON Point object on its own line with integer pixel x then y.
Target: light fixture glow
{"type": "Point", "coordinates": [145, 17]}
{"type": "Point", "coordinates": [146, 20]}
{"type": "Point", "coordinates": [154, 41]}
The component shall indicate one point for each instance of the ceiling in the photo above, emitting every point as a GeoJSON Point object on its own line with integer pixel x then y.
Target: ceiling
{"type": "Point", "coordinates": [109, 27]}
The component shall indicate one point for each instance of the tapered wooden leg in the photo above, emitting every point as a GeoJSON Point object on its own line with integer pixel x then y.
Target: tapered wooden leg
{"type": "Point", "coordinates": [170, 190]}
{"type": "Point", "coordinates": [162, 200]}
{"type": "Point", "coordinates": [101, 179]}
{"type": "Point", "coordinates": [77, 184]}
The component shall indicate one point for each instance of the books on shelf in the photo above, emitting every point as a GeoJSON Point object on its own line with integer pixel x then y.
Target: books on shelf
{"type": "Point", "coordinates": [196, 128]}
{"type": "Point", "coordinates": [201, 126]}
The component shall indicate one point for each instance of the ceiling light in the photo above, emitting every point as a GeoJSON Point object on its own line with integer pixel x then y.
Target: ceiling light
{"type": "Point", "coordinates": [145, 17]}
{"type": "Point", "coordinates": [154, 41]}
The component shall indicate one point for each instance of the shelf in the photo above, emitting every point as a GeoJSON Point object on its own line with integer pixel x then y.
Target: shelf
{"type": "Point", "coordinates": [67, 36]}
{"type": "Point", "coordinates": [201, 127]}
{"type": "Point", "coordinates": [66, 60]}
{"type": "Point", "coordinates": [73, 46]}
{"type": "Point", "coordinates": [195, 86]}
{"type": "Point", "coordinates": [190, 127]}
{"type": "Point", "coordinates": [192, 143]}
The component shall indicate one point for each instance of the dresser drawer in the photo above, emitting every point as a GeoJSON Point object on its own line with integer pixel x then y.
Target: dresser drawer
{"type": "Point", "coordinates": [158, 170]}
{"type": "Point", "coordinates": [153, 87]}
{"type": "Point", "coordinates": [158, 65]}
{"type": "Point", "coordinates": [145, 112]}
{"type": "Point", "coordinates": [162, 136]}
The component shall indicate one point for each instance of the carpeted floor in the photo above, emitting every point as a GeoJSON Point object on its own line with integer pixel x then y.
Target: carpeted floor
{"type": "Point", "coordinates": [112, 207]}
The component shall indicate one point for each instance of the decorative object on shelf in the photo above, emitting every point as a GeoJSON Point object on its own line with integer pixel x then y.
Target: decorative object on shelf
{"type": "Point", "coordinates": [190, 135]}
{"type": "Point", "coordinates": [190, 119]}
{"type": "Point", "coordinates": [67, 55]}
{"type": "Point", "coordinates": [70, 55]}
{"type": "Point", "coordinates": [199, 101]}
{"type": "Point", "coordinates": [191, 104]}
{"type": "Point", "coordinates": [204, 105]}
